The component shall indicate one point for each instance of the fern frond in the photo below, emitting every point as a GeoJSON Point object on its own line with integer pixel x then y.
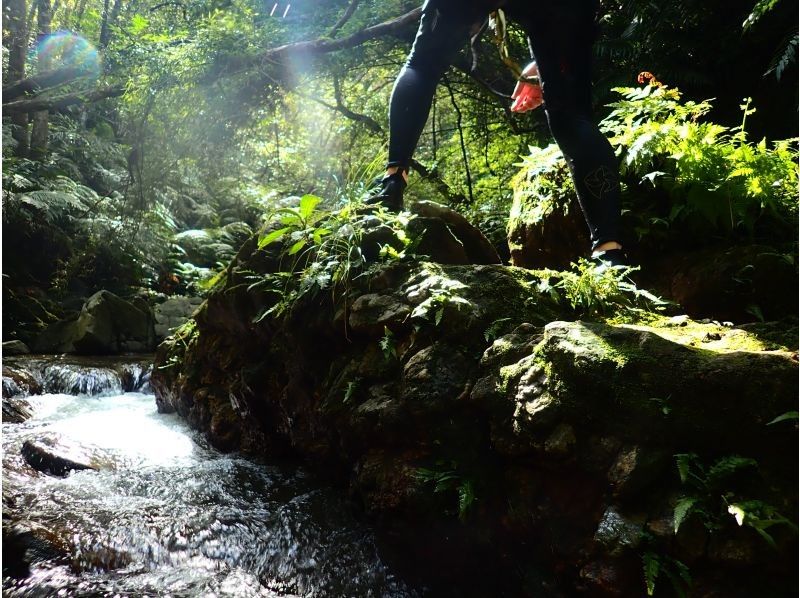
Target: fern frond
{"type": "Point", "coordinates": [784, 58]}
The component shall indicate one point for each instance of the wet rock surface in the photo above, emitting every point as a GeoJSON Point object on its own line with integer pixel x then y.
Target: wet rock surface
{"type": "Point", "coordinates": [457, 397]}
{"type": "Point", "coordinates": [15, 348]}
{"type": "Point", "coordinates": [106, 325]}
{"type": "Point", "coordinates": [75, 375]}
{"type": "Point", "coordinates": [19, 382]}
{"type": "Point", "coordinates": [59, 456]}
{"type": "Point", "coordinates": [173, 312]}
{"type": "Point", "coordinates": [15, 410]}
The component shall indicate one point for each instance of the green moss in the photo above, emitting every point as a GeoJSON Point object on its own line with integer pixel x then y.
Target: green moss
{"type": "Point", "coordinates": [709, 337]}
{"type": "Point", "coordinates": [511, 373]}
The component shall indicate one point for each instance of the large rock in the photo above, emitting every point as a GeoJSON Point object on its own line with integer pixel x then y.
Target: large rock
{"type": "Point", "coordinates": [107, 324]}
{"type": "Point", "coordinates": [546, 232]}
{"type": "Point", "coordinates": [464, 401]}
{"type": "Point", "coordinates": [173, 312]}
{"type": "Point", "coordinates": [58, 456]}
{"type": "Point", "coordinates": [662, 386]}
{"type": "Point", "coordinates": [16, 410]}
{"type": "Point", "coordinates": [437, 232]}
{"type": "Point", "coordinates": [15, 348]}
{"type": "Point", "coordinates": [19, 382]}
{"type": "Point", "coordinates": [203, 248]}
{"type": "Point", "coordinates": [442, 224]}
{"type": "Point", "coordinates": [739, 283]}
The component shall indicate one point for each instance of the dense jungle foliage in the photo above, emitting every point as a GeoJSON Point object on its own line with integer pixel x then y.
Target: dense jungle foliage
{"type": "Point", "coordinates": [144, 141]}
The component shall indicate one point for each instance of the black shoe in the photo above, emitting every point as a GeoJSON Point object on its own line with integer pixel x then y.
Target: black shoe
{"type": "Point", "coordinates": [389, 193]}
{"type": "Point", "coordinates": [611, 257]}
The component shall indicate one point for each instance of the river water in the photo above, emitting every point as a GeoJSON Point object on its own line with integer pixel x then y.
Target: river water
{"type": "Point", "coordinates": [168, 515]}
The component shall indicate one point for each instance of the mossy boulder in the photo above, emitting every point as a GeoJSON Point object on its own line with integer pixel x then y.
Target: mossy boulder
{"type": "Point", "coordinates": [107, 324]}
{"type": "Point", "coordinates": [467, 401]}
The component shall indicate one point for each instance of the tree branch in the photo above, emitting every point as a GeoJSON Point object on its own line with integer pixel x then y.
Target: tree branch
{"type": "Point", "coordinates": [432, 174]}
{"type": "Point", "coordinates": [40, 81]}
{"type": "Point", "coordinates": [345, 17]}
{"type": "Point", "coordinates": [59, 102]}
{"type": "Point", "coordinates": [283, 54]}
{"type": "Point", "coordinates": [368, 121]}
{"type": "Point", "coordinates": [461, 138]}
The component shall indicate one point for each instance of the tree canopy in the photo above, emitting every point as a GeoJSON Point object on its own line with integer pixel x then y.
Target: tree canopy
{"type": "Point", "coordinates": [128, 122]}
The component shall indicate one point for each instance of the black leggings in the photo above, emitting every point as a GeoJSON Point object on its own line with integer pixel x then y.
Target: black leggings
{"type": "Point", "coordinates": [561, 33]}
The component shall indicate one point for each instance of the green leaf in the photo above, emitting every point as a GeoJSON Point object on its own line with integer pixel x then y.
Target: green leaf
{"type": "Point", "coordinates": [727, 466]}
{"type": "Point", "coordinates": [759, 10]}
{"type": "Point", "coordinates": [138, 24]}
{"type": "Point", "coordinates": [272, 237]}
{"type": "Point", "coordinates": [789, 415]}
{"type": "Point", "coordinates": [352, 387]}
{"type": "Point", "coordinates": [466, 497]}
{"type": "Point", "coordinates": [307, 205]}
{"type": "Point", "coordinates": [738, 513]}
{"type": "Point", "coordinates": [319, 233]}
{"type": "Point", "coordinates": [767, 537]}
{"type": "Point", "coordinates": [652, 565]}
{"type": "Point", "coordinates": [678, 574]}
{"type": "Point", "coordinates": [684, 462]}
{"type": "Point", "coordinates": [297, 246]}
{"type": "Point", "coordinates": [682, 509]}
{"type": "Point", "coordinates": [756, 311]}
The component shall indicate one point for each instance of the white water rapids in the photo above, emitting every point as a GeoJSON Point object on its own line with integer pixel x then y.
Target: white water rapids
{"type": "Point", "coordinates": [171, 516]}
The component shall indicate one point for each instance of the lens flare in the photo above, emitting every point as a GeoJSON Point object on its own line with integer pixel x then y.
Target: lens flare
{"type": "Point", "coordinates": [65, 49]}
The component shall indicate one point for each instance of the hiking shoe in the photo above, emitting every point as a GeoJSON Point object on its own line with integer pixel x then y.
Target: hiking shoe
{"type": "Point", "coordinates": [389, 193]}
{"type": "Point", "coordinates": [610, 257]}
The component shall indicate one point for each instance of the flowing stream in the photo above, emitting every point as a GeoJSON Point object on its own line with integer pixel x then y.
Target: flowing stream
{"type": "Point", "coordinates": [167, 515]}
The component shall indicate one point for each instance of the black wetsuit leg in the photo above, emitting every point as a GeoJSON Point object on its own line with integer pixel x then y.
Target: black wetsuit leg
{"type": "Point", "coordinates": [440, 36]}
{"type": "Point", "coordinates": [562, 33]}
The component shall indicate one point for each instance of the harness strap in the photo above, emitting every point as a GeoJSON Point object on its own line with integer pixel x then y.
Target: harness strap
{"type": "Point", "coordinates": [499, 26]}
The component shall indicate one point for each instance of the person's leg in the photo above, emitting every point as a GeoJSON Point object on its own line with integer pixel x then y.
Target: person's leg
{"type": "Point", "coordinates": [562, 33]}
{"type": "Point", "coordinates": [440, 36]}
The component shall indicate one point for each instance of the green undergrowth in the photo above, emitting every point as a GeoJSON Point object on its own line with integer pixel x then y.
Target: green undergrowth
{"type": "Point", "coordinates": [326, 250]}
{"type": "Point", "coordinates": [683, 177]}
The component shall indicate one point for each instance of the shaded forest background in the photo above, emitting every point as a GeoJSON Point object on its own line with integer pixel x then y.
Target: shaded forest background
{"type": "Point", "coordinates": [145, 140]}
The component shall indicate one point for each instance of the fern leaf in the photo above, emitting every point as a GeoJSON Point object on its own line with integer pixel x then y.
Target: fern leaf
{"type": "Point", "coordinates": [682, 510]}
{"type": "Point", "coordinates": [652, 565]}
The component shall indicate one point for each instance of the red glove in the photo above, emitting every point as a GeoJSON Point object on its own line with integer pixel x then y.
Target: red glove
{"type": "Point", "coordinates": [527, 96]}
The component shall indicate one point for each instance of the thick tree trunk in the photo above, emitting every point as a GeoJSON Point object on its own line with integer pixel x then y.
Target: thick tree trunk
{"type": "Point", "coordinates": [110, 16]}
{"type": "Point", "coordinates": [18, 42]}
{"type": "Point", "coordinates": [29, 23]}
{"type": "Point", "coordinates": [79, 15]}
{"type": "Point", "coordinates": [104, 34]}
{"type": "Point", "coordinates": [115, 13]}
{"type": "Point", "coordinates": [41, 120]}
